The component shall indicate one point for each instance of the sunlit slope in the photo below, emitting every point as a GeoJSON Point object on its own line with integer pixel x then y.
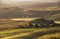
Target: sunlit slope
{"type": "Point", "coordinates": [55, 17]}
{"type": "Point", "coordinates": [31, 33]}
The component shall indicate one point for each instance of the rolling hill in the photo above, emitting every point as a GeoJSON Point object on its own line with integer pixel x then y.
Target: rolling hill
{"type": "Point", "coordinates": [34, 10]}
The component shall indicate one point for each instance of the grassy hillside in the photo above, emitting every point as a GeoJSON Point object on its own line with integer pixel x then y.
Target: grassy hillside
{"type": "Point", "coordinates": [55, 17]}
{"type": "Point", "coordinates": [36, 29]}
{"type": "Point", "coordinates": [32, 33]}
{"type": "Point", "coordinates": [11, 30]}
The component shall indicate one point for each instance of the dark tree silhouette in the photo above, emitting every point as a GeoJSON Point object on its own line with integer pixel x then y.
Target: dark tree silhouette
{"type": "Point", "coordinates": [30, 25]}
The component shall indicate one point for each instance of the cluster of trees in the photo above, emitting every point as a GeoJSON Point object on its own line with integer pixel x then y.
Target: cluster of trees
{"type": "Point", "coordinates": [38, 23]}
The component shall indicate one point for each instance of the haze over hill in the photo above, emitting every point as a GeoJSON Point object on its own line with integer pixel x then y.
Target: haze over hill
{"type": "Point", "coordinates": [15, 12]}
{"type": "Point", "coordinates": [30, 5]}
{"type": "Point", "coordinates": [30, 9]}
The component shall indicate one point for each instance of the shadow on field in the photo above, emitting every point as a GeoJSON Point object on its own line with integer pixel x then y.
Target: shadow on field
{"type": "Point", "coordinates": [38, 34]}
{"type": "Point", "coordinates": [54, 38]}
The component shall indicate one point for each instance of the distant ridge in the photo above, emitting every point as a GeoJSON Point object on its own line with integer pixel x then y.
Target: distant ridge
{"type": "Point", "coordinates": [34, 10]}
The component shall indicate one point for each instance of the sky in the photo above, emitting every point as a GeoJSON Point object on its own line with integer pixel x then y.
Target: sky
{"type": "Point", "coordinates": [16, 1]}
{"type": "Point", "coordinates": [24, 2]}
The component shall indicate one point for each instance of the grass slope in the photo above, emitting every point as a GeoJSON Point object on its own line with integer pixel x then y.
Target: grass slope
{"type": "Point", "coordinates": [32, 33]}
